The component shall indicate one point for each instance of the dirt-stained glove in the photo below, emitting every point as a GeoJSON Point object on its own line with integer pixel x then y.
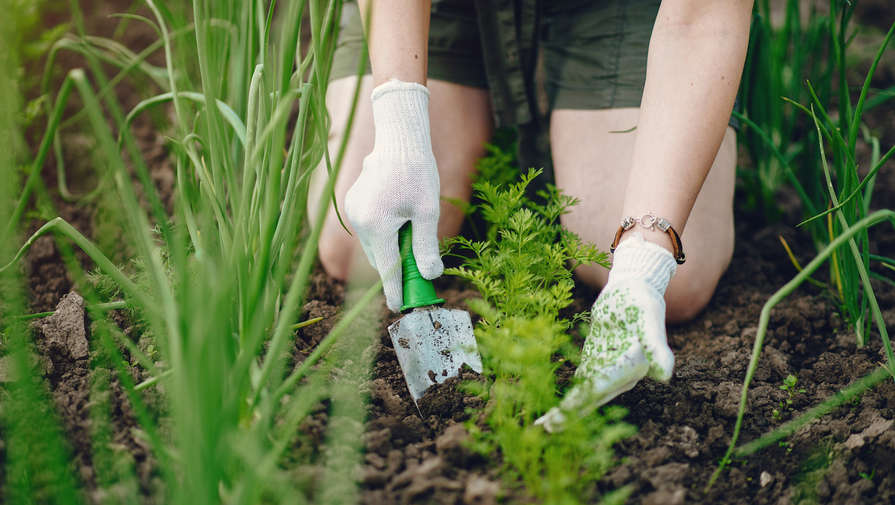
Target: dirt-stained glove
{"type": "Point", "coordinates": [398, 183]}
{"type": "Point", "coordinates": [627, 339]}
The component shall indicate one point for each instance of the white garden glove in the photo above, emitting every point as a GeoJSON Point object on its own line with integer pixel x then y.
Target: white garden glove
{"type": "Point", "coordinates": [398, 183]}
{"type": "Point", "coordinates": [627, 339]}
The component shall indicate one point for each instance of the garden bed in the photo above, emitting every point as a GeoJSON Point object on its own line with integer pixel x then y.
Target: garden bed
{"type": "Point", "coordinates": [684, 427]}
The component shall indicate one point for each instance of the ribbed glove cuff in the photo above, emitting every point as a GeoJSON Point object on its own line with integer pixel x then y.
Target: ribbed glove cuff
{"type": "Point", "coordinates": [401, 119]}
{"type": "Point", "coordinates": [636, 258]}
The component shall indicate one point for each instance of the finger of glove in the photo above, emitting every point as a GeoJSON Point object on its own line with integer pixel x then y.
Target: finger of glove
{"type": "Point", "coordinates": [425, 247]}
{"type": "Point", "coordinates": [388, 263]}
{"type": "Point", "coordinates": [583, 403]}
{"type": "Point", "coordinates": [605, 377]}
{"type": "Point", "coordinates": [553, 421]}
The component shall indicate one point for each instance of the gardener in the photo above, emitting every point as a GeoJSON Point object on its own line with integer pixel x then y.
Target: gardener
{"type": "Point", "coordinates": [639, 96]}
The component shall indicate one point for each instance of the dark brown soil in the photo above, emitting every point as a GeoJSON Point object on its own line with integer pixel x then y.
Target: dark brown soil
{"type": "Point", "coordinates": [418, 455]}
{"type": "Point", "coordinates": [684, 426]}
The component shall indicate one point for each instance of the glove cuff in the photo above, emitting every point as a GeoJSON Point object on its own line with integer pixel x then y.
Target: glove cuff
{"type": "Point", "coordinates": [401, 119]}
{"type": "Point", "coordinates": [637, 258]}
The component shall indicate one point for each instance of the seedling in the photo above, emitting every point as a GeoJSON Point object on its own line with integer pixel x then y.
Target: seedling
{"type": "Point", "coordinates": [868, 476]}
{"type": "Point", "coordinates": [789, 386]}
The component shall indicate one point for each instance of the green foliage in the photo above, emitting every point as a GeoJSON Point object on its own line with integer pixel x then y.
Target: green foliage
{"type": "Point", "coordinates": [786, 90]}
{"type": "Point", "coordinates": [524, 267]}
{"type": "Point", "coordinates": [789, 386]}
{"type": "Point", "coordinates": [35, 455]}
{"type": "Point", "coordinates": [523, 270]}
{"type": "Point", "coordinates": [217, 284]}
{"type": "Point", "coordinates": [848, 192]}
{"type": "Point", "coordinates": [499, 165]}
{"type": "Point", "coordinates": [841, 231]}
{"type": "Point", "coordinates": [556, 468]}
{"type": "Point", "coordinates": [777, 137]}
{"type": "Point", "coordinates": [32, 40]}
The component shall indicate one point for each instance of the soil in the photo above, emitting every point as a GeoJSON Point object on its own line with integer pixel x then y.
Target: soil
{"type": "Point", "coordinates": [684, 426]}
{"type": "Point", "coordinates": [417, 455]}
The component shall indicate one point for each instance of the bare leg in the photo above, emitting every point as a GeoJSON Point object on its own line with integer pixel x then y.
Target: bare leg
{"type": "Point", "coordinates": [593, 165]}
{"type": "Point", "coordinates": [460, 119]}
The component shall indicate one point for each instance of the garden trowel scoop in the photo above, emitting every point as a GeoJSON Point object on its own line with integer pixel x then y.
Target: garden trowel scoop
{"type": "Point", "coordinates": [431, 342]}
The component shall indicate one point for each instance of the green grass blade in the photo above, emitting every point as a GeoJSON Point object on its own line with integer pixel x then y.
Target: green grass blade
{"type": "Point", "coordinates": [838, 399]}
{"type": "Point", "coordinates": [846, 235]}
{"type": "Point", "coordinates": [40, 159]}
{"type": "Point", "coordinates": [227, 113]}
{"type": "Point", "coordinates": [864, 183]}
{"type": "Point", "coordinates": [859, 108]}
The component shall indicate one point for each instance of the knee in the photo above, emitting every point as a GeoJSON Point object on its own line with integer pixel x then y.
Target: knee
{"type": "Point", "coordinates": [691, 289]}
{"type": "Point", "coordinates": [335, 251]}
{"type": "Point", "coordinates": [687, 298]}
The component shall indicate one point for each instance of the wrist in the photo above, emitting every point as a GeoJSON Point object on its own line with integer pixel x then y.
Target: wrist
{"type": "Point", "coordinates": [637, 258]}
{"type": "Point", "coordinates": [652, 228]}
{"type": "Point", "coordinates": [660, 238]}
{"type": "Point", "coordinates": [401, 119]}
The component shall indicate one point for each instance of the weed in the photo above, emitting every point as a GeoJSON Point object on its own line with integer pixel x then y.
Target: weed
{"type": "Point", "coordinates": [811, 471]}
{"type": "Point", "coordinates": [868, 476]}
{"type": "Point", "coordinates": [789, 386]}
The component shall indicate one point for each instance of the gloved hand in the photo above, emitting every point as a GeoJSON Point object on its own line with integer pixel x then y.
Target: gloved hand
{"type": "Point", "coordinates": [627, 339]}
{"type": "Point", "coordinates": [398, 183]}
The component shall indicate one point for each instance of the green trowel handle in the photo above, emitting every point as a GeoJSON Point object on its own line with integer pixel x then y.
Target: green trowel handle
{"type": "Point", "coordinates": [418, 292]}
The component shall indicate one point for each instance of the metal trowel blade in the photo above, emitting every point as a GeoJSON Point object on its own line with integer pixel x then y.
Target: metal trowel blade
{"type": "Point", "coordinates": [432, 343]}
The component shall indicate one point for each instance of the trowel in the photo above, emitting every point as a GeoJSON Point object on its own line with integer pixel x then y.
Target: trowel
{"type": "Point", "coordinates": [431, 342]}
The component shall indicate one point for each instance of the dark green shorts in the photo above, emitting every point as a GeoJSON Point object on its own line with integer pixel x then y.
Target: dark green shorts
{"type": "Point", "coordinates": [593, 51]}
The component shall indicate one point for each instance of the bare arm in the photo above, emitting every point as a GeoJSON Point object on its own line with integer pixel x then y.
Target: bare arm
{"type": "Point", "coordinates": [694, 66]}
{"type": "Point", "coordinates": [399, 181]}
{"type": "Point", "coordinates": [398, 34]}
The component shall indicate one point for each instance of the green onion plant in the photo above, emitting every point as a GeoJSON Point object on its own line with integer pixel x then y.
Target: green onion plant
{"type": "Point", "coordinates": [844, 240]}
{"type": "Point", "coordinates": [219, 283]}
{"type": "Point", "coordinates": [34, 453]}
{"type": "Point", "coordinates": [793, 71]}
{"type": "Point", "coordinates": [778, 138]}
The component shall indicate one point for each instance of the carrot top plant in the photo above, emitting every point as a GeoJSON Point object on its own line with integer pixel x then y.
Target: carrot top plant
{"type": "Point", "coordinates": [523, 270]}
{"type": "Point", "coordinates": [525, 264]}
